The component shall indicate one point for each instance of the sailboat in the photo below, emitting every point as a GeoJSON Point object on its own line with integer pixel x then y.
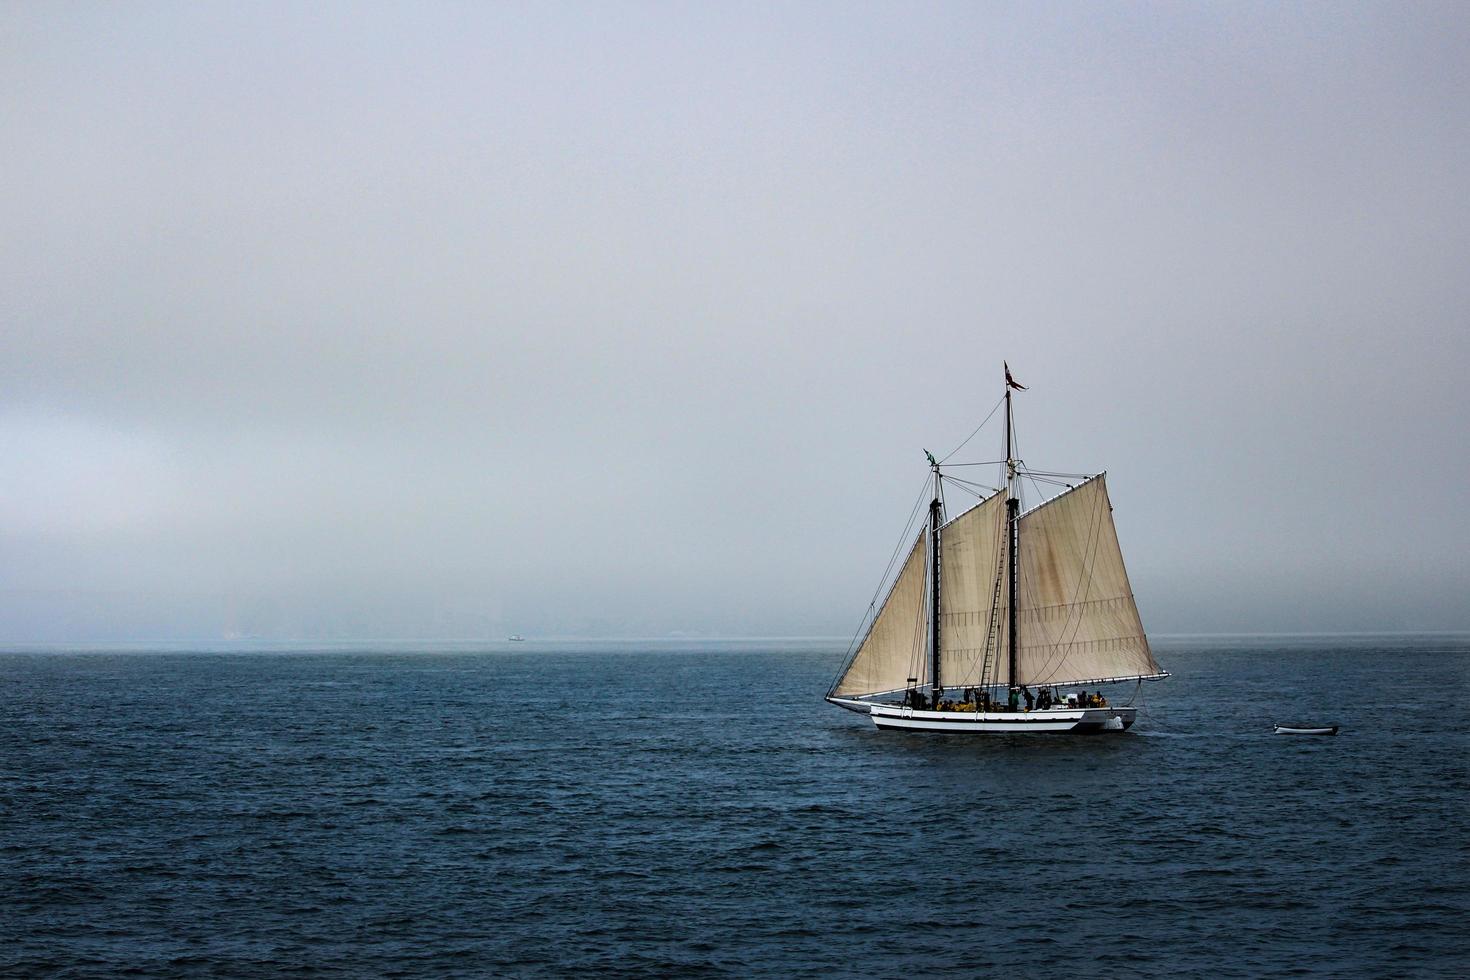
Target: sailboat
{"type": "Point", "coordinates": [1000, 604]}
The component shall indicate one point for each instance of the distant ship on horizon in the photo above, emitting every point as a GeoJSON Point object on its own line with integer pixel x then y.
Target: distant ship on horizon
{"type": "Point", "coordinates": [516, 638]}
{"type": "Point", "coordinates": [997, 601]}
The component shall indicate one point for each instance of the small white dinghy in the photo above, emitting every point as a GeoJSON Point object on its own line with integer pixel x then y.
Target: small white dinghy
{"type": "Point", "coordinates": [1296, 730]}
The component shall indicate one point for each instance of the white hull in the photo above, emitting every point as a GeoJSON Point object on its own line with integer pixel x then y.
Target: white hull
{"type": "Point", "coordinates": [1078, 720]}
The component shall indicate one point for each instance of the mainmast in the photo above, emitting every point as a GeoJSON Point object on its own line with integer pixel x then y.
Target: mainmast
{"type": "Point", "coordinates": [1013, 506]}
{"type": "Point", "coordinates": [935, 518]}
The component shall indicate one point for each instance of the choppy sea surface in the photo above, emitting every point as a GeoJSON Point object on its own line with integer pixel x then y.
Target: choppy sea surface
{"type": "Point", "coordinates": [546, 809]}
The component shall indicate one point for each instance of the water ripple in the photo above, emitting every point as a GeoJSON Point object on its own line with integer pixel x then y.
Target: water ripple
{"type": "Point", "coordinates": [449, 815]}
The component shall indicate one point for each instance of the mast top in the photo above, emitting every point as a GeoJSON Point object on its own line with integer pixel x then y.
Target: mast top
{"type": "Point", "coordinates": [1010, 474]}
{"type": "Point", "coordinates": [1010, 381]}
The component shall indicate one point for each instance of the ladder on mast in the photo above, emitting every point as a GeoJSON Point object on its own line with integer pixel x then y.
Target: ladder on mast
{"type": "Point", "coordinates": [992, 642]}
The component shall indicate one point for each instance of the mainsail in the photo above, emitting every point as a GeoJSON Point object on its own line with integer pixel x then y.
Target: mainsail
{"type": "Point", "coordinates": [1076, 621]}
{"type": "Point", "coordinates": [893, 651]}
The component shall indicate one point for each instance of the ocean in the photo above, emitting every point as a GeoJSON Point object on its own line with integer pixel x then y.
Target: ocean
{"type": "Point", "coordinates": [695, 809]}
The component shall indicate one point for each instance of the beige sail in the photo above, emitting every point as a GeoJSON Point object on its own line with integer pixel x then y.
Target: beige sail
{"type": "Point", "coordinates": [1076, 621]}
{"type": "Point", "coordinates": [972, 551]}
{"type": "Point", "coordinates": [894, 649]}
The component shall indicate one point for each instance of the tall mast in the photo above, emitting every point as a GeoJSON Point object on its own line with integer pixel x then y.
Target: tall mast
{"type": "Point", "coordinates": [934, 521]}
{"type": "Point", "coordinates": [1012, 526]}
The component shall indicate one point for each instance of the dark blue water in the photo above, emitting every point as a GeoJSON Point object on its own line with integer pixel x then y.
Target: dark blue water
{"type": "Point", "coordinates": [532, 810]}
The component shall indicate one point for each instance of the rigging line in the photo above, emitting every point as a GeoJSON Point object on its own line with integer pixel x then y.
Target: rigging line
{"type": "Point", "coordinates": [1022, 470]}
{"type": "Point", "coordinates": [961, 485]}
{"type": "Point", "coordinates": [1050, 481]}
{"type": "Point", "coordinates": [1070, 477]}
{"type": "Point", "coordinates": [1043, 490]}
{"type": "Point", "coordinates": [966, 485]}
{"type": "Point", "coordinates": [977, 429]}
{"type": "Point", "coordinates": [904, 537]}
{"type": "Point", "coordinates": [908, 525]}
{"type": "Point", "coordinates": [1080, 476]}
{"type": "Point", "coordinates": [847, 658]}
{"type": "Point", "coordinates": [870, 622]}
{"type": "Point", "coordinates": [1039, 495]}
{"type": "Point", "coordinates": [988, 462]}
{"type": "Point", "coordinates": [972, 483]}
{"type": "Point", "coordinates": [916, 644]}
{"type": "Point", "coordinates": [1038, 481]}
{"type": "Point", "coordinates": [918, 661]}
{"type": "Point", "coordinates": [1020, 460]}
{"type": "Point", "coordinates": [976, 483]}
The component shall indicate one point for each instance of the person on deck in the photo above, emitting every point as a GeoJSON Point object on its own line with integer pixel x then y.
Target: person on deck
{"type": "Point", "coordinates": [1030, 699]}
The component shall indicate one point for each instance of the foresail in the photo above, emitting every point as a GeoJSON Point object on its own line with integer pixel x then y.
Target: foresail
{"type": "Point", "coordinates": [893, 650]}
{"type": "Point", "coordinates": [1076, 620]}
{"type": "Point", "coordinates": [972, 551]}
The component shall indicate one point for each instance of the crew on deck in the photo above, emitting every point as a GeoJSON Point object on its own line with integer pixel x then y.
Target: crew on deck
{"type": "Point", "coordinates": [979, 699]}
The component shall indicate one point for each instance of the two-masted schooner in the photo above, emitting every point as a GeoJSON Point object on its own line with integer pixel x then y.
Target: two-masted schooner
{"type": "Point", "coordinates": [1000, 604]}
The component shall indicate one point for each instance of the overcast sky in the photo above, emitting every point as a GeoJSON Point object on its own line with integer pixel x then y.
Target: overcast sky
{"type": "Point", "coordinates": [452, 320]}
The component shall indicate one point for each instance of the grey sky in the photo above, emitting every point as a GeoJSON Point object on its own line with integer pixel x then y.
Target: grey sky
{"type": "Point", "coordinates": [451, 320]}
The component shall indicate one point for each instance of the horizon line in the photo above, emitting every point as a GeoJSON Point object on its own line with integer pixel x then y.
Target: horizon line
{"type": "Point", "coordinates": [306, 642]}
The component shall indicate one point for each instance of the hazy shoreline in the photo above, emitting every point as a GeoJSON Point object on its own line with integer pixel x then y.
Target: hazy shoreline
{"type": "Point", "coordinates": [606, 644]}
